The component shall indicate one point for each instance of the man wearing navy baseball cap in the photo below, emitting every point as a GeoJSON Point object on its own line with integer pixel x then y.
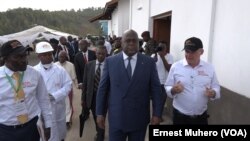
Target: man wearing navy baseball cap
{"type": "Point", "coordinates": [191, 83]}
{"type": "Point", "coordinates": [13, 47]}
{"type": "Point", "coordinates": [23, 96]}
{"type": "Point", "coordinates": [15, 51]}
{"type": "Point", "coordinates": [192, 44]}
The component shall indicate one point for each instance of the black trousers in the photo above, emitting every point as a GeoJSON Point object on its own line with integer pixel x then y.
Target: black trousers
{"type": "Point", "coordinates": [100, 132]}
{"type": "Point", "coordinates": [24, 132]}
{"type": "Point", "coordinates": [182, 119]}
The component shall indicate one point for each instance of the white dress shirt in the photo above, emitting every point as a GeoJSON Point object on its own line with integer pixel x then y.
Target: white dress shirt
{"type": "Point", "coordinates": [192, 100]}
{"type": "Point", "coordinates": [132, 61]}
{"type": "Point", "coordinates": [101, 67]}
{"type": "Point", "coordinates": [162, 72]}
{"type": "Point", "coordinates": [36, 97]}
{"type": "Point", "coordinates": [86, 55]}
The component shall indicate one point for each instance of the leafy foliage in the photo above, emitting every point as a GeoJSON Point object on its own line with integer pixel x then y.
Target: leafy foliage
{"type": "Point", "coordinates": [74, 22]}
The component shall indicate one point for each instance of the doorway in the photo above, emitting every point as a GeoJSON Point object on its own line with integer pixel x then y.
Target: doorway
{"type": "Point", "coordinates": [162, 27]}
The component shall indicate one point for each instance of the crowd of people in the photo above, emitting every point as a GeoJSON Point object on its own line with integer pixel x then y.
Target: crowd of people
{"type": "Point", "coordinates": [121, 78]}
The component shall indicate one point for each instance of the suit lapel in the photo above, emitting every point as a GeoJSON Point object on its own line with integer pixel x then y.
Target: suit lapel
{"type": "Point", "coordinates": [122, 67]}
{"type": "Point", "coordinates": [93, 69]}
{"type": "Point", "coordinates": [137, 71]}
{"type": "Point", "coordinates": [136, 74]}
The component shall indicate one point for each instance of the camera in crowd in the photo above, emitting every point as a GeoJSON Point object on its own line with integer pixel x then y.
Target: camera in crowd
{"type": "Point", "coordinates": [158, 48]}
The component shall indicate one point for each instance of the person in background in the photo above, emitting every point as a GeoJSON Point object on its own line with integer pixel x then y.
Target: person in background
{"type": "Point", "coordinates": [128, 80]}
{"type": "Point", "coordinates": [64, 45]}
{"type": "Point", "coordinates": [73, 45]}
{"type": "Point", "coordinates": [149, 44]}
{"type": "Point", "coordinates": [191, 83]}
{"type": "Point", "coordinates": [81, 59]}
{"type": "Point", "coordinates": [23, 96]}
{"type": "Point", "coordinates": [54, 43]}
{"type": "Point", "coordinates": [164, 60]}
{"type": "Point", "coordinates": [105, 43]}
{"type": "Point", "coordinates": [117, 48]}
{"type": "Point", "coordinates": [92, 73]}
{"type": "Point", "coordinates": [58, 84]}
{"type": "Point", "coordinates": [70, 68]}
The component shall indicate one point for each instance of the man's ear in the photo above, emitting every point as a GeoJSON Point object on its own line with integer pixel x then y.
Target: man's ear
{"type": "Point", "coordinates": [202, 51]}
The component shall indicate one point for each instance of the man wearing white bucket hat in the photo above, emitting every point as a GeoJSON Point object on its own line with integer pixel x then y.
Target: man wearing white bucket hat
{"type": "Point", "coordinates": [58, 84]}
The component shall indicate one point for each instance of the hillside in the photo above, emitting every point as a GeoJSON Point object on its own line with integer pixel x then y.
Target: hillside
{"type": "Point", "coordinates": [74, 22]}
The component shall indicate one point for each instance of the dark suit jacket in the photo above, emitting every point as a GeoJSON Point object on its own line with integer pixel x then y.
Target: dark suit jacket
{"type": "Point", "coordinates": [129, 100]}
{"type": "Point", "coordinates": [88, 82]}
{"type": "Point", "coordinates": [70, 52]}
{"type": "Point", "coordinates": [79, 64]}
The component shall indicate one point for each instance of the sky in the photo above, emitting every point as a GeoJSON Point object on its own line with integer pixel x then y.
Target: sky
{"type": "Point", "coordinates": [51, 5]}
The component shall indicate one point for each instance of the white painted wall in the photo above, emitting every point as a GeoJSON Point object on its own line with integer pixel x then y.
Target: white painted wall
{"type": "Point", "coordinates": [123, 16]}
{"type": "Point", "coordinates": [189, 18]}
{"type": "Point", "coordinates": [113, 23]}
{"type": "Point", "coordinates": [140, 16]}
{"type": "Point", "coordinates": [231, 46]}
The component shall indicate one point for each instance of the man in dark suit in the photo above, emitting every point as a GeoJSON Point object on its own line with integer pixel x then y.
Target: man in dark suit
{"type": "Point", "coordinates": [130, 78]}
{"type": "Point", "coordinates": [73, 44]}
{"type": "Point", "coordinates": [91, 78]}
{"type": "Point", "coordinates": [81, 59]}
{"type": "Point", "coordinates": [65, 46]}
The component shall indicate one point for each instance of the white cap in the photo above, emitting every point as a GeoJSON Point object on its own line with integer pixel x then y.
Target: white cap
{"type": "Point", "coordinates": [43, 47]}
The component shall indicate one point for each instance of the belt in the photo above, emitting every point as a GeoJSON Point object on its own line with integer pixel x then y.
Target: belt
{"type": "Point", "coordinates": [20, 125]}
{"type": "Point", "coordinates": [203, 115]}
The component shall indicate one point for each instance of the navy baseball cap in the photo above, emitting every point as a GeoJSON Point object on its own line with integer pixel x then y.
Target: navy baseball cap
{"type": "Point", "coordinates": [13, 47]}
{"type": "Point", "coordinates": [193, 44]}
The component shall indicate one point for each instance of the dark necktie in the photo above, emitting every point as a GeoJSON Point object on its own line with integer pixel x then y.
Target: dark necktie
{"type": "Point", "coordinates": [85, 58]}
{"type": "Point", "coordinates": [97, 77]}
{"type": "Point", "coordinates": [129, 69]}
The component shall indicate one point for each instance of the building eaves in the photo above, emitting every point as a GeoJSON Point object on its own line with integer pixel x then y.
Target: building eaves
{"type": "Point", "coordinates": [107, 12]}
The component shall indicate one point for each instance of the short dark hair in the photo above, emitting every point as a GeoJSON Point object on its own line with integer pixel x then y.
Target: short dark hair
{"type": "Point", "coordinates": [145, 33]}
{"type": "Point", "coordinates": [54, 41]}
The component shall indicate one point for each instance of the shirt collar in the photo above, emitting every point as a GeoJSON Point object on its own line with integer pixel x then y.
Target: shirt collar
{"type": "Point", "coordinates": [8, 71]}
{"type": "Point", "coordinates": [97, 62]}
{"type": "Point", "coordinates": [125, 56]}
{"type": "Point", "coordinates": [85, 52]}
{"type": "Point", "coordinates": [185, 63]}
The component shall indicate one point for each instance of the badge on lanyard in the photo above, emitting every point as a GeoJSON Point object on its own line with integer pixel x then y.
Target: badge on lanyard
{"type": "Point", "coordinates": [20, 107]}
